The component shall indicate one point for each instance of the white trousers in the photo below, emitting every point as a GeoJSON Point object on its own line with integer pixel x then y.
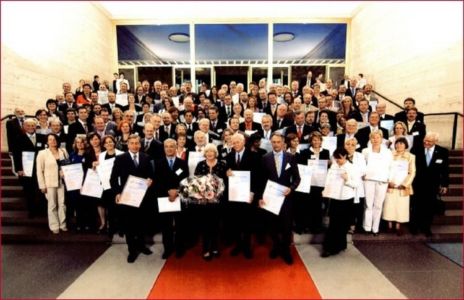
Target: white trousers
{"type": "Point", "coordinates": [375, 192]}
{"type": "Point", "coordinates": [56, 208]}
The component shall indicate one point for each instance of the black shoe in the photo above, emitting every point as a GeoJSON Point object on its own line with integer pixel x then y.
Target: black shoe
{"type": "Point", "coordinates": [248, 254]}
{"type": "Point", "coordinates": [287, 257]}
{"type": "Point", "coordinates": [146, 251]}
{"type": "Point", "coordinates": [375, 234]}
{"type": "Point", "coordinates": [325, 254]}
{"type": "Point", "coordinates": [235, 251]}
{"type": "Point", "coordinates": [215, 253]}
{"type": "Point", "coordinates": [180, 253]}
{"type": "Point", "coordinates": [166, 254]}
{"type": "Point", "coordinates": [273, 253]}
{"type": "Point", "coordinates": [132, 257]}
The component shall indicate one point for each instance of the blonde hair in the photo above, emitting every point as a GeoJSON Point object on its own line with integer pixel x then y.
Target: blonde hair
{"type": "Point", "coordinates": [210, 147]}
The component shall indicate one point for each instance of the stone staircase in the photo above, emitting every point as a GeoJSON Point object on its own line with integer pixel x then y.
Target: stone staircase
{"type": "Point", "coordinates": [18, 228]}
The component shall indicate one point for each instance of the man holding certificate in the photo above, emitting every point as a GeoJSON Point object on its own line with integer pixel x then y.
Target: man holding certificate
{"type": "Point", "coordinates": [24, 153]}
{"type": "Point", "coordinates": [133, 163]}
{"type": "Point", "coordinates": [169, 171]}
{"type": "Point", "coordinates": [241, 164]}
{"type": "Point", "coordinates": [279, 169]}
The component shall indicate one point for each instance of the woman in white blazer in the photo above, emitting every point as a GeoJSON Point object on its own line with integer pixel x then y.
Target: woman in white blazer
{"type": "Point", "coordinates": [378, 162]}
{"type": "Point", "coordinates": [51, 184]}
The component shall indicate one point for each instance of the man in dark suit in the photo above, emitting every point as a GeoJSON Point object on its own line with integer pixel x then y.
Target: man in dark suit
{"type": "Point", "coordinates": [248, 124]}
{"type": "Point", "coordinates": [112, 103]}
{"type": "Point", "coordinates": [226, 111]}
{"type": "Point", "coordinates": [307, 80]}
{"type": "Point", "coordinates": [14, 128]}
{"type": "Point", "coordinates": [380, 109]}
{"type": "Point", "coordinates": [135, 163]}
{"type": "Point", "coordinates": [280, 167]}
{"type": "Point", "coordinates": [432, 178]}
{"type": "Point", "coordinates": [350, 131]}
{"type": "Point", "coordinates": [408, 103]}
{"type": "Point", "coordinates": [271, 106]}
{"type": "Point", "coordinates": [415, 128]}
{"type": "Point", "coordinates": [169, 171]}
{"type": "Point", "coordinates": [363, 134]}
{"type": "Point", "coordinates": [29, 141]}
{"type": "Point", "coordinates": [301, 130]}
{"type": "Point", "coordinates": [362, 113]}
{"type": "Point", "coordinates": [81, 126]}
{"type": "Point", "coordinates": [69, 103]}
{"type": "Point", "coordinates": [215, 125]}
{"type": "Point", "coordinates": [281, 120]}
{"type": "Point", "coordinates": [150, 146]}
{"type": "Point", "coordinates": [168, 128]}
{"type": "Point", "coordinates": [242, 159]}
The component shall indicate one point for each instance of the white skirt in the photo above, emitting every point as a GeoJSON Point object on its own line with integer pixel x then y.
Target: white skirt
{"type": "Point", "coordinates": [396, 207]}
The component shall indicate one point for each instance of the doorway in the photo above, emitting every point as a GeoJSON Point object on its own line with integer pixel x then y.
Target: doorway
{"type": "Point", "coordinates": [163, 74]}
{"type": "Point", "coordinates": [224, 75]}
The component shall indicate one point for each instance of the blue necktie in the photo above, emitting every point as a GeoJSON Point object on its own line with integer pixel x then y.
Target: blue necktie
{"type": "Point", "coordinates": [171, 163]}
{"type": "Point", "coordinates": [428, 157]}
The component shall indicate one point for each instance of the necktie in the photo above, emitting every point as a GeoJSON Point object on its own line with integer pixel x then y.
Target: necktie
{"type": "Point", "coordinates": [364, 118]}
{"type": "Point", "coordinates": [136, 162]}
{"type": "Point", "coordinates": [428, 157]}
{"type": "Point", "coordinates": [277, 163]}
{"type": "Point", "coordinates": [32, 138]}
{"type": "Point", "coordinates": [147, 145]}
{"type": "Point", "coordinates": [171, 163]}
{"type": "Point", "coordinates": [299, 133]}
{"type": "Point", "coordinates": [157, 135]}
{"type": "Point", "coordinates": [228, 110]}
{"type": "Point", "coordinates": [238, 159]}
{"type": "Point", "coordinates": [214, 125]}
{"type": "Point", "coordinates": [85, 127]}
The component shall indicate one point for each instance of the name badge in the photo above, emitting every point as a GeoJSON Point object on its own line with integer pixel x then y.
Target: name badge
{"type": "Point", "coordinates": [415, 133]}
{"type": "Point", "coordinates": [224, 154]}
{"type": "Point", "coordinates": [189, 137]}
{"type": "Point", "coordinates": [439, 161]}
{"type": "Point", "coordinates": [63, 145]}
{"type": "Point", "coordinates": [313, 156]}
{"type": "Point", "coordinates": [219, 130]}
{"type": "Point", "coordinates": [39, 144]}
{"type": "Point", "coordinates": [178, 172]}
{"type": "Point", "coordinates": [287, 166]}
{"type": "Point", "coordinates": [306, 137]}
{"type": "Point", "coordinates": [358, 146]}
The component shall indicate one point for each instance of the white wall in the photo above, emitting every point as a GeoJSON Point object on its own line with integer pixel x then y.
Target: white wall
{"type": "Point", "coordinates": [412, 49]}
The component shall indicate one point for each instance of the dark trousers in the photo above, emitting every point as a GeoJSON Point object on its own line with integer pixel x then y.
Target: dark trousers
{"type": "Point", "coordinates": [340, 217]}
{"type": "Point", "coordinates": [422, 209]}
{"type": "Point", "coordinates": [173, 230]}
{"type": "Point", "coordinates": [208, 217]}
{"type": "Point", "coordinates": [133, 225]}
{"type": "Point", "coordinates": [281, 226]}
{"type": "Point", "coordinates": [112, 219]}
{"type": "Point", "coordinates": [357, 214]}
{"type": "Point", "coordinates": [241, 214]}
{"type": "Point", "coordinates": [34, 200]}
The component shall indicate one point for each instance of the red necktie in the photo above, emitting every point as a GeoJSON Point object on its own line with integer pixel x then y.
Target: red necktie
{"type": "Point", "coordinates": [299, 133]}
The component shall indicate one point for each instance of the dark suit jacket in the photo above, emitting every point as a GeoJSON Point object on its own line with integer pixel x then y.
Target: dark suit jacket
{"type": "Point", "coordinates": [171, 134]}
{"type": "Point", "coordinates": [307, 130]}
{"type": "Point", "coordinates": [418, 132]}
{"type": "Point", "coordinates": [75, 129]}
{"type": "Point", "coordinates": [155, 151]}
{"type": "Point", "coordinates": [429, 178]}
{"type": "Point", "coordinates": [289, 177]}
{"type": "Point", "coordinates": [363, 136]}
{"type": "Point", "coordinates": [254, 126]}
{"type": "Point", "coordinates": [24, 144]}
{"type": "Point", "coordinates": [165, 178]}
{"type": "Point", "coordinates": [341, 140]}
{"type": "Point", "coordinates": [13, 132]}
{"type": "Point", "coordinates": [306, 154]}
{"type": "Point", "coordinates": [268, 111]}
{"type": "Point", "coordinates": [401, 116]}
{"type": "Point", "coordinates": [107, 106]}
{"type": "Point", "coordinates": [248, 162]}
{"type": "Point", "coordinates": [285, 123]}
{"type": "Point", "coordinates": [64, 107]}
{"type": "Point", "coordinates": [223, 116]}
{"type": "Point", "coordinates": [386, 117]}
{"type": "Point", "coordinates": [218, 130]}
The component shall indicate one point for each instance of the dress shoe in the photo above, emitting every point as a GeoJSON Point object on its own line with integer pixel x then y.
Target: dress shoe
{"type": "Point", "coordinates": [235, 251]}
{"type": "Point", "coordinates": [287, 257]}
{"type": "Point", "coordinates": [273, 253]}
{"type": "Point", "coordinates": [166, 254]}
{"type": "Point", "coordinates": [247, 253]}
{"type": "Point", "coordinates": [207, 256]}
{"type": "Point", "coordinates": [132, 257]}
{"type": "Point", "coordinates": [325, 254]}
{"type": "Point", "coordinates": [146, 251]}
{"type": "Point", "coordinates": [180, 253]}
{"type": "Point", "coordinates": [375, 234]}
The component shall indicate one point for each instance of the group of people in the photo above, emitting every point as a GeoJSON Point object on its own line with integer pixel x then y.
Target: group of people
{"type": "Point", "coordinates": [372, 173]}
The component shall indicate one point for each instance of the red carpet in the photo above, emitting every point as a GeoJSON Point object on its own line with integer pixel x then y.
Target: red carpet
{"type": "Point", "coordinates": [229, 277]}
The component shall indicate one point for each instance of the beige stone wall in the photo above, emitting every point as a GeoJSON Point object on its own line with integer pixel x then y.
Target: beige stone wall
{"type": "Point", "coordinates": [44, 45]}
{"type": "Point", "coordinates": [413, 49]}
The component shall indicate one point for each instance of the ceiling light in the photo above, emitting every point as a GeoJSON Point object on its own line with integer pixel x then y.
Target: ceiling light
{"type": "Point", "coordinates": [283, 37]}
{"type": "Point", "coordinates": [179, 37]}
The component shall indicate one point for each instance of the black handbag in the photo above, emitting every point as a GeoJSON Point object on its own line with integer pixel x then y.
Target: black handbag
{"type": "Point", "coordinates": [439, 206]}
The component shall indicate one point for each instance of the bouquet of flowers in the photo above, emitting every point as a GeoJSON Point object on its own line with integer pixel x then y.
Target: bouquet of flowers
{"type": "Point", "coordinates": [201, 189]}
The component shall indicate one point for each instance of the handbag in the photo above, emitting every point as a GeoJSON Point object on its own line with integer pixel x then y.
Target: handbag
{"type": "Point", "coordinates": [439, 206]}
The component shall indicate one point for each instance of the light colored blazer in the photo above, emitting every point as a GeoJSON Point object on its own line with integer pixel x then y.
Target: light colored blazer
{"type": "Point", "coordinates": [47, 168]}
{"type": "Point", "coordinates": [411, 158]}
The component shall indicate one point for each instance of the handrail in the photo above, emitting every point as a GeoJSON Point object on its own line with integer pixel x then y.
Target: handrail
{"type": "Point", "coordinates": [389, 100]}
{"type": "Point", "coordinates": [12, 115]}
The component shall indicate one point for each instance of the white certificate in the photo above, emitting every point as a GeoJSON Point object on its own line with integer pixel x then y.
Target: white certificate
{"type": "Point", "coordinates": [121, 99]}
{"type": "Point", "coordinates": [102, 97]}
{"type": "Point", "coordinates": [334, 184]}
{"type": "Point", "coordinates": [193, 160]}
{"type": "Point", "coordinates": [319, 171]}
{"type": "Point", "coordinates": [377, 169]}
{"type": "Point", "coordinates": [28, 162]}
{"type": "Point", "coordinates": [399, 171]}
{"type": "Point", "coordinates": [274, 197]}
{"type": "Point", "coordinates": [329, 143]}
{"type": "Point", "coordinates": [164, 205]}
{"type": "Point", "coordinates": [305, 175]}
{"type": "Point", "coordinates": [92, 186]}
{"type": "Point", "coordinates": [175, 100]}
{"type": "Point", "coordinates": [250, 132]}
{"type": "Point", "coordinates": [66, 128]}
{"type": "Point", "coordinates": [373, 104]}
{"type": "Point", "coordinates": [258, 117]}
{"type": "Point", "coordinates": [239, 186]}
{"type": "Point", "coordinates": [104, 169]}
{"type": "Point", "coordinates": [266, 145]}
{"type": "Point", "coordinates": [303, 146]}
{"type": "Point", "coordinates": [134, 190]}
{"type": "Point", "coordinates": [73, 176]}
{"type": "Point", "coordinates": [388, 125]}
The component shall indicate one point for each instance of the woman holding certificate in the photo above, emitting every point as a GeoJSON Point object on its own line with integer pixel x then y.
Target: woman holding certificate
{"type": "Point", "coordinates": [340, 186]}
{"type": "Point", "coordinates": [74, 197]}
{"type": "Point", "coordinates": [209, 213]}
{"type": "Point", "coordinates": [403, 171]}
{"type": "Point", "coordinates": [378, 160]}
{"type": "Point", "coordinates": [50, 183]}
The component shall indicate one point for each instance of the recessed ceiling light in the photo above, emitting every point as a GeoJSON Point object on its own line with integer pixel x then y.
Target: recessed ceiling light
{"type": "Point", "coordinates": [179, 37]}
{"type": "Point", "coordinates": [283, 37]}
